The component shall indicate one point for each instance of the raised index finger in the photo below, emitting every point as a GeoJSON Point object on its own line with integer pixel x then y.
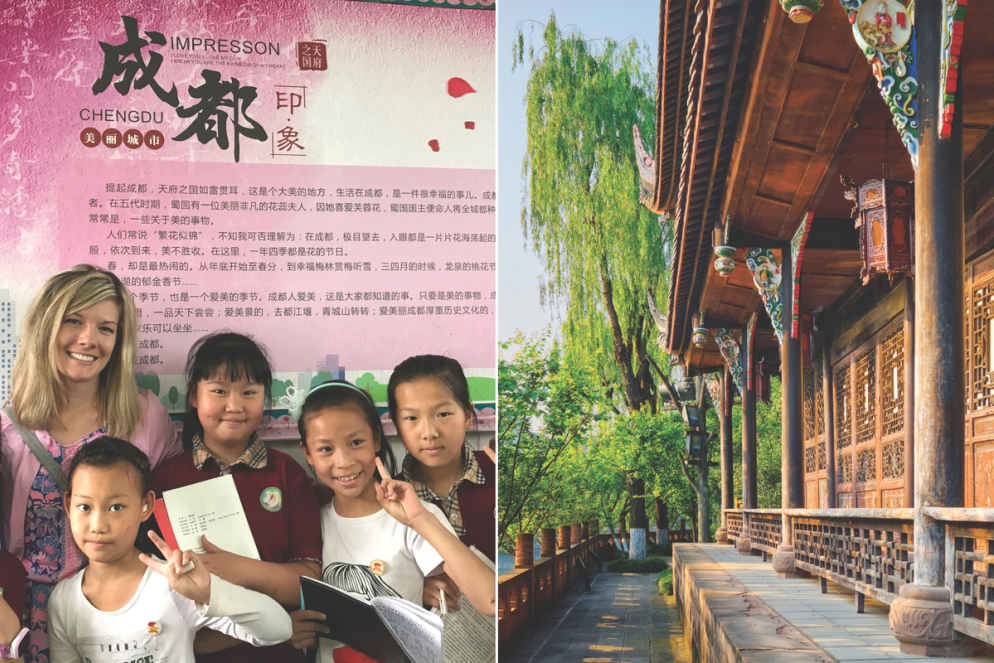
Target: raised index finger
{"type": "Point", "coordinates": [383, 471]}
{"type": "Point", "coordinates": [163, 547]}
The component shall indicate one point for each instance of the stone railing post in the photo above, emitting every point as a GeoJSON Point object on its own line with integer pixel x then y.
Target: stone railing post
{"type": "Point", "coordinates": [564, 537]}
{"type": "Point", "coordinates": [524, 550]}
{"type": "Point", "coordinates": [548, 542]}
{"type": "Point", "coordinates": [575, 533]}
{"type": "Point", "coordinates": [744, 542]}
{"type": "Point", "coordinates": [584, 531]}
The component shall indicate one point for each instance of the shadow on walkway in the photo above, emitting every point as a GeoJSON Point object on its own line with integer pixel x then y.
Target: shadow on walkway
{"type": "Point", "coordinates": [622, 620]}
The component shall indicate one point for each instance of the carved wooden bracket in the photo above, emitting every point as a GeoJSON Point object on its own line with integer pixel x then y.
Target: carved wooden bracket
{"type": "Point", "coordinates": [796, 256]}
{"type": "Point", "coordinates": [765, 270]}
{"type": "Point", "coordinates": [884, 29]}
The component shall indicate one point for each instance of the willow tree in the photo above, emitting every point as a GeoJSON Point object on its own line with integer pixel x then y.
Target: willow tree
{"type": "Point", "coordinates": [603, 251]}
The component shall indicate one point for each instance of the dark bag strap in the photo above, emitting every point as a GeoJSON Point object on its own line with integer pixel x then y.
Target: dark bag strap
{"type": "Point", "coordinates": [38, 449]}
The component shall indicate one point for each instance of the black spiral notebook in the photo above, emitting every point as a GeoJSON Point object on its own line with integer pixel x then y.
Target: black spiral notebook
{"type": "Point", "coordinates": [387, 629]}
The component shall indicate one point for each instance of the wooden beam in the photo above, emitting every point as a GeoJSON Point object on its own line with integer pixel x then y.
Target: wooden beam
{"type": "Point", "coordinates": [794, 147]}
{"type": "Point", "coordinates": [712, 322]}
{"type": "Point", "coordinates": [771, 199]}
{"type": "Point", "coordinates": [821, 71]}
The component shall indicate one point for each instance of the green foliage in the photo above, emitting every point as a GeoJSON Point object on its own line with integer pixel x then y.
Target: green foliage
{"type": "Point", "coordinates": [603, 251]}
{"type": "Point", "coordinates": [547, 407]}
{"type": "Point", "coordinates": [321, 377]}
{"type": "Point", "coordinates": [645, 565]}
{"type": "Point", "coordinates": [377, 391]}
{"type": "Point", "coordinates": [280, 388]}
{"type": "Point", "coordinates": [148, 381]}
{"type": "Point", "coordinates": [482, 389]}
{"type": "Point", "coordinates": [665, 582]}
{"type": "Point", "coordinates": [650, 447]}
{"type": "Point", "coordinates": [769, 449]}
{"type": "Point", "coordinates": [664, 550]}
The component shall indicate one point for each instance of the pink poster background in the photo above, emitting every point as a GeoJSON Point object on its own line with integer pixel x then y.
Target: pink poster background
{"type": "Point", "coordinates": [381, 116]}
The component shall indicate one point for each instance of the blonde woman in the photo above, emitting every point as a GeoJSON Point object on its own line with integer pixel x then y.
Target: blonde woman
{"type": "Point", "coordinates": [73, 381]}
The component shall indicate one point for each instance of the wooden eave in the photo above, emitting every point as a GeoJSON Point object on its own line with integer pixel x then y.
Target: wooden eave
{"type": "Point", "coordinates": [814, 112]}
{"type": "Point", "coordinates": [719, 63]}
{"type": "Point", "coordinates": [675, 39]}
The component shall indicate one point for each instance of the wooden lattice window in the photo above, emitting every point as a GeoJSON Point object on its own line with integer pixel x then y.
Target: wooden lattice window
{"type": "Point", "coordinates": [982, 319]}
{"type": "Point", "coordinates": [843, 401]}
{"type": "Point", "coordinates": [819, 392]}
{"type": "Point", "coordinates": [892, 381]}
{"type": "Point", "coordinates": [866, 396]}
{"type": "Point", "coordinates": [808, 401]}
{"type": "Point", "coordinates": [893, 460]}
{"type": "Point", "coordinates": [866, 465]}
{"type": "Point", "coordinates": [809, 460]}
{"type": "Point", "coordinates": [822, 460]}
{"type": "Point", "coordinates": [845, 469]}
{"type": "Point", "coordinates": [970, 350]}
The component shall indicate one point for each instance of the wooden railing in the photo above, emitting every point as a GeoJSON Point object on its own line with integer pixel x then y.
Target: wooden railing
{"type": "Point", "coordinates": [872, 552]}
{"type": "Point", "coordinates": [525, 594]}
{"type": "Point", "coordinates": [733, 521]}
{"type": "Point", "coordinates": [969, 557]}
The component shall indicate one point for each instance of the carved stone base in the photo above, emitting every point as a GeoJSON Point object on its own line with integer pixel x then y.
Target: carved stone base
{"type": "Point", "coordinates": [922, 621]}
{"type": "Point", "coordinates": [783, 561]}
{"type": "Point", "coordinates": [744, 545]}
{"type": "Point", "coordinates": [721, 536]}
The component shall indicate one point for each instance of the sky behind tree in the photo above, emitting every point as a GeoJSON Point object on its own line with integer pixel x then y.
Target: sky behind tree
{"type": "Point", "coordinates": [519, 269]}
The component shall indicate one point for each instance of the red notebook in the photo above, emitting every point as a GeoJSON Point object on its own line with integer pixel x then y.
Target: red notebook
{"type": "Point", "coordinates": [166, 527]}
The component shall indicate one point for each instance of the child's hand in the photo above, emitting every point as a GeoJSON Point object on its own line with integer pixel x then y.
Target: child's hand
{"type": "Point", "coordinates": [306, 627]}
{"type": "Point", "coordinates": [194, 584]}
{"type": "Point", "coordinates": [398, 498]}
{"type": "Point", "coordinates": [434, 586]}
{"type": "Point", "coordinates": [491, 454]}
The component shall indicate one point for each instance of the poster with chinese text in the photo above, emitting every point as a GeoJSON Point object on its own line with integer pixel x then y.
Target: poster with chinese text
{"type": "Point", "coordinates": [320, 175]}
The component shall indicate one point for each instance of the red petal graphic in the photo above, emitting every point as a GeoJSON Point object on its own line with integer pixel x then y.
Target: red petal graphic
{"type": "Point", "coordinates": [433, 144]}
{"type": "Point", "coordinates": [470, 125]}
{"type": "Point", "coordinates": [458, 87]}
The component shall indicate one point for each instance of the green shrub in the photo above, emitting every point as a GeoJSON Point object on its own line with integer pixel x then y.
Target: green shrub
{"type": "Point", "coordinates": [665, 582]}
{"type": "Point", "coordinates": [647, 565]}
{"type": "Point", "coordinates": [664, 550]}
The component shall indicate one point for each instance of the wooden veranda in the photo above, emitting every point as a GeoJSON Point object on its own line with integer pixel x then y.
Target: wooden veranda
{"type": "Point", "coordinates": [887, 372]}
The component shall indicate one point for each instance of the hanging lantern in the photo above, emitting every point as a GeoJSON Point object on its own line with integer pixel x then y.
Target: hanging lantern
{"type": "Point", "coordinates": [725, 263]}
{"type": "Point", "coordinates": [884, 213]}
{"type": "Point", "coordinates": [801, 11]}
{"type": "Point", "coordinates": [700, 337]}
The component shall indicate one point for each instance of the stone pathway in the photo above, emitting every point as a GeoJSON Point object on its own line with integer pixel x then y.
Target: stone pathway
{"type": "Point", "coordinates": [829, 619]}
{"type": "Point", "coordinates": [623, 619]}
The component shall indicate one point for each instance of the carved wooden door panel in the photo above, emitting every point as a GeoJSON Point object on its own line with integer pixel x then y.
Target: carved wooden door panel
{"type": "Point", "coordinates": [869, 421]}
{"type": "Point", "coordinates": [815, 457]}
{"type": "Point", "coordinates": [979, 461]}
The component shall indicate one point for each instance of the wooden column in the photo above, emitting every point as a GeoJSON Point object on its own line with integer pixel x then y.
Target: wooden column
{"type": "Point", "coordinates": [939, 283]}
{"type": "Point", "coordinates": [828, 397]}
{"type": "Point", "coordinates": [727, 467]}
{"type": "Point", "coordinates": [921, 618]}
{"type": "Point", "coordinates": [749, 481]}
{"type": "Point", "coordinates": [792, 438]}
{"type": "Point", "coordinates": [909, 393]}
